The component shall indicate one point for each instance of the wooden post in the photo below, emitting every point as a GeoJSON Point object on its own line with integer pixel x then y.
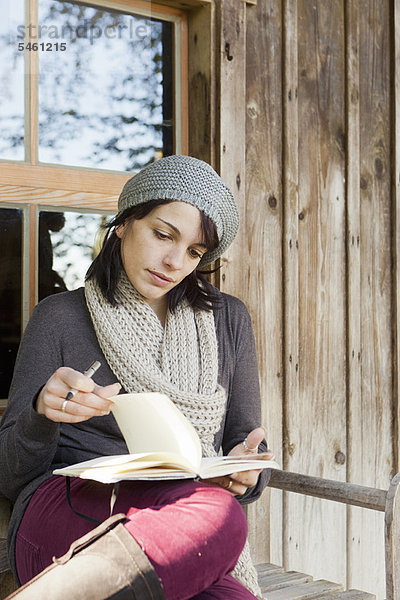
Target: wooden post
{"type": "Point", "coordinates": [201, 89]}
{"type": "Point", "coordinates": [392, 537]}
{"type": "Point", "coordinates": [201, 84]}
{"type": "Point", "coordinates": [231, 131]}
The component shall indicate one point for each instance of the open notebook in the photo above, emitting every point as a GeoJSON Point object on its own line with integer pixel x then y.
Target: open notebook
{"type": "Point", "coordinates": [163, 444]}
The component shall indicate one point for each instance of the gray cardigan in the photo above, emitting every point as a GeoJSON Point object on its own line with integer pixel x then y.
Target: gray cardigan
{"type": "Point", "coordinates": [60, 332]}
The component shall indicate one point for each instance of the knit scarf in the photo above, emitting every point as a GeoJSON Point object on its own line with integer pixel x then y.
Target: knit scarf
{"type": "Point", "coordinates": [180, 360]}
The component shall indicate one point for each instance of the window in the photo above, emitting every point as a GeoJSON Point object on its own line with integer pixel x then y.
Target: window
{"type": "Point", "coordinates": [106, 100]}
{"type": "Point", "coordinates": [68, 241]}
{"type": "Point", "coordinates": [11, 289]}
{"type": "Point", "coordinates": [12, 84]}
{"type": "Point", "coordinates": [105, 86]}
{"type": "Point", "coordinates": [73, 129]}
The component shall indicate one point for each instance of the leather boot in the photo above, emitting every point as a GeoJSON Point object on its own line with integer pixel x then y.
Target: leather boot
{"type": "Point", "coordinates": [105, 563]}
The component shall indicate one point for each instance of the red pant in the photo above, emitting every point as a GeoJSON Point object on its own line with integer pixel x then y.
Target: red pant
{"type": "Point", "coordinates": [191, 532]}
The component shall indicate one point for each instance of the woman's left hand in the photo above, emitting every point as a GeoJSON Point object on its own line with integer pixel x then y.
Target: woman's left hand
{"type": "Point", "coordinates": [238, 483]}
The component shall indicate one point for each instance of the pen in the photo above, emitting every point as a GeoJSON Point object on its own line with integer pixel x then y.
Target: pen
{"type": "Point", "coordinates": [90, 371]}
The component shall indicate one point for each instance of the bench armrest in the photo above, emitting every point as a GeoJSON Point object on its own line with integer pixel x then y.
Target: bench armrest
{"type": "Point", "coordinates": [387, 501]}
{"type": "Point", "coordinates": [329, 489]}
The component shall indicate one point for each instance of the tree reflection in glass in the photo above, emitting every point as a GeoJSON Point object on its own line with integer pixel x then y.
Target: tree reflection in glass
{"type": "Point", "coordinates": [106, 100]}
{"type": "Point", "coordinates": [11, 227]}
{"type": "Point", "coordinates": [12, 82]}
{"type": "Point", "coordinates": [67, 245]}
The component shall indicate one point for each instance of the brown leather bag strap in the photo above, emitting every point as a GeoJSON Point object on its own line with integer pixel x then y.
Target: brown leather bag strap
{"type": "Point", "coordinates": [90, 537]}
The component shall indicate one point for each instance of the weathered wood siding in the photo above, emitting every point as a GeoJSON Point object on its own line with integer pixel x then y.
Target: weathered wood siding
{"type": "Point", "coordinates": [315, 417]}
{"type": "Point", "coordinates": [316, 257]}
{"type": "Point", "coordinates": [264, 223]}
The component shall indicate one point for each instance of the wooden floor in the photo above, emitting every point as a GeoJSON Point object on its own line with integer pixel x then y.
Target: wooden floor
{"type": "Point", "coordinates": [277, 584]}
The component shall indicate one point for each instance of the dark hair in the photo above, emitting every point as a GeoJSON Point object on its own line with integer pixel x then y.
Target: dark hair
{"type": "Point", "coordinates": [106, 266]}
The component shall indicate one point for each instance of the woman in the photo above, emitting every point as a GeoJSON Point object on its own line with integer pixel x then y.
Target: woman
{"type": "Point", "coordinates": [155, 324]}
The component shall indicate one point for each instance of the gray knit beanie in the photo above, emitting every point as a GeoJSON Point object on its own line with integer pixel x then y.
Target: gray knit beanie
{"type": "Point", "coordinates": [189, 180]}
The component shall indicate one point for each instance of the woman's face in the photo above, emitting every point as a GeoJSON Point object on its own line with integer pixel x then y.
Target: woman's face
{"type": "Point", "coordinates": [161, 249]}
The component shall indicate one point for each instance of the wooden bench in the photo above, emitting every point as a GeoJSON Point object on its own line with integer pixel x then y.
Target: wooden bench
{"type": "Point", "coordinates": [280, 585]}
{"type": "Point", "coordinates": [277, 584]}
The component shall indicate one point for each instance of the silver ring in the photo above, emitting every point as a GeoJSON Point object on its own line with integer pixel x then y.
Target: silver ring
{"type": "Point", "coordinates": [64, 405]}
{"type": "Point", "coordinates": [246, 447]}
{"type": "Point", "coordinates": [230, 484]}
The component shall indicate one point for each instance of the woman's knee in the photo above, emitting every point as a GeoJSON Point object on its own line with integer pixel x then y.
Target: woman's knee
{"type": "Point", "coordinates": [202, 511]}
{"type": "Point", "coordinates": [224, 514]}
{"type": "Point", "coordinates": [194, 538]}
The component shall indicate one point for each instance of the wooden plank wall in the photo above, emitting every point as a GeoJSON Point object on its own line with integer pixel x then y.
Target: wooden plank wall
{"type": "Point", "coordinates": [315, 259]}
{"type": "Point", "coordinates": [315, 418]}
{"type": "Point", "coordinates": [264, 223]}
{"type": "Point", "coordinates": [372, 400]}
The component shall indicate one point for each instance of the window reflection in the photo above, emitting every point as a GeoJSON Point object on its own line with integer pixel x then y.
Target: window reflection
{"type": "Point", "coordinates": [105, 101]}
{"type": "Point", "coordinates": [12, 81]}
{"type": "Point", "coordinates": [68, 242]}
{"type": "Point", "coordinates": [11, 227]}
{"type": "Point", "coordinates": [50, 282]}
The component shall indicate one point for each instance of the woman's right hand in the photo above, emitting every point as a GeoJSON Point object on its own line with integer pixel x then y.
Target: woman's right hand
{"type": "Point", "coordinates": [89, 401]}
